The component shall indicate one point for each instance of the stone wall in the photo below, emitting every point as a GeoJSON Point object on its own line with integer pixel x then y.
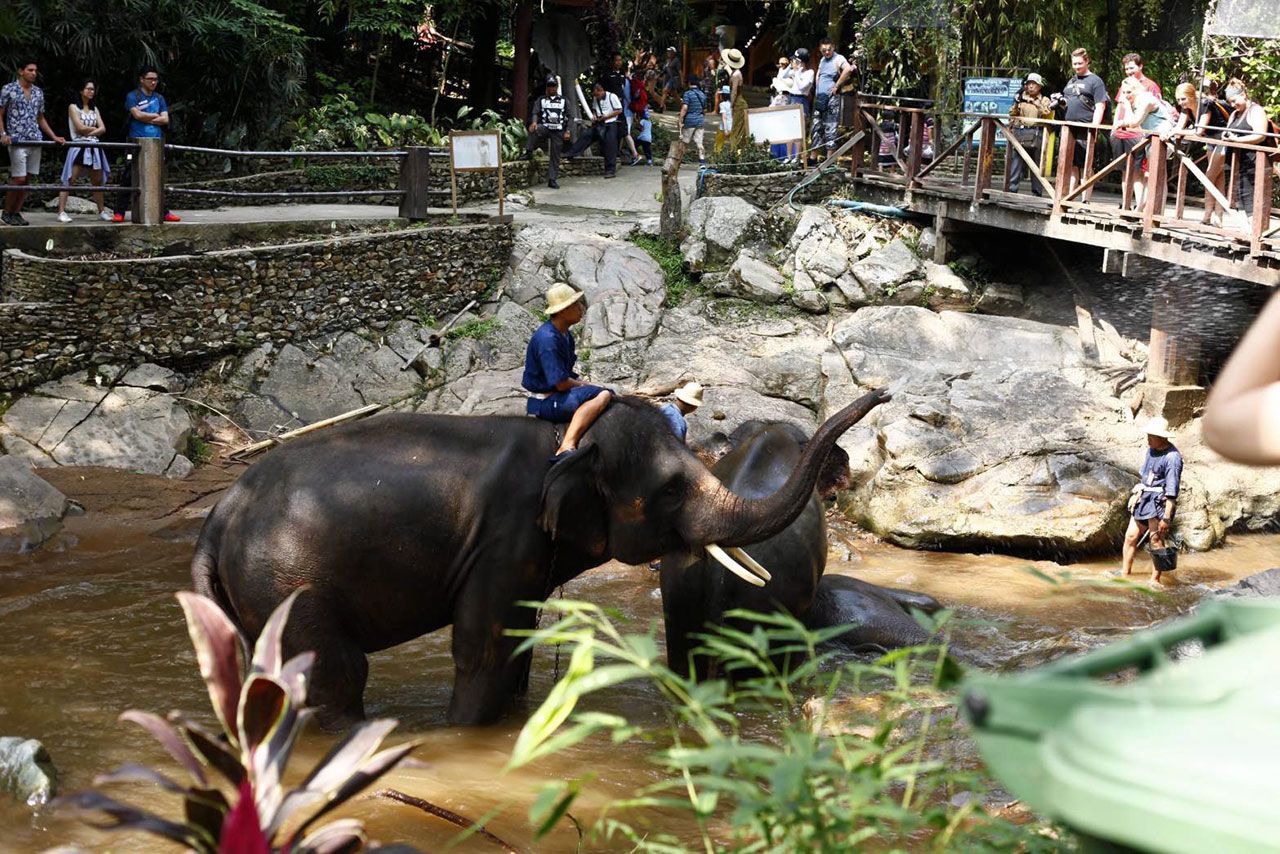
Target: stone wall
{"type": "Point", "coordinates": [183, 310]}
{"type": "Point", "coordinates": [768, 189]}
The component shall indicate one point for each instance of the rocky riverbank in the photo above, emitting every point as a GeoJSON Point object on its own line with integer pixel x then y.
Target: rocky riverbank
{"type": "Point", "coordinates": [1005, 433]}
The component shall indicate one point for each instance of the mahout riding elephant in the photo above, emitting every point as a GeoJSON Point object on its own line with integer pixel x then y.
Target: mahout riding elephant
{"type": "Point", "coordinates": [760, 458]}
{"type": "Point", "coordinates": [406, 523]}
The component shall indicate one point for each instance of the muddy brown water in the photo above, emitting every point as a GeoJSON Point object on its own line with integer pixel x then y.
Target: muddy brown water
{"type": "Point", "coordinates": [89, 627]}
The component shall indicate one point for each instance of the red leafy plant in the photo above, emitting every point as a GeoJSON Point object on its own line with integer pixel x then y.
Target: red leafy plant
{"type": "Point", "coordinates": [259, 701]}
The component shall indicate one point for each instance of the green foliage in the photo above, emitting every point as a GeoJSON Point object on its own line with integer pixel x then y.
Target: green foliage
{"type": "Point", "coordinates": [819, 756]}
{"type": "Point", "coordinates": [332, 176]}
{"type": "Point", "coordinates": [513, 131]}
{"type": "Point", "coordinates": [477, 329]}
{"type": "Point", "coordinates": [752, 160]}
{"type": "Point", "coordinates": [198, 450]}
{"type": "Point", "coordinates": [680, 284]}
{"type": "Point", "coordinates": [259, 700]}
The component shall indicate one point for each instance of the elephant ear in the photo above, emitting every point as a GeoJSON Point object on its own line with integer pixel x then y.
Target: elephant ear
{"type": "Point", "coordinates": [835, 474]}
{"type": "Point", "coordinates": [572, 503]}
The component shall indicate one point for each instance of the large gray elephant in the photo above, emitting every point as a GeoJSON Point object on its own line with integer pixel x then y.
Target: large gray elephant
{"type": "Point", "coordinates": [404, 524]}
{"type": "Point", "coordinates": [756, 462]}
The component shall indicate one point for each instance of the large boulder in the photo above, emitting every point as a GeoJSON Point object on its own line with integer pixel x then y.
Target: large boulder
{"type": "Point", "coordinates": [993, 439]}
{"type": "Point", "coordinates": [944, 290]}
{"type": "Point", "coordinates": [31, 510]}
{"type": "Point", "coordinates": [752, 278]}
{"type": "Point", "coordinates": [26, 771]}
{"type": "Point", "coordinates": [1259, 585]}
{"type": "Point", "coordinates": [818, 248]}
{"type": "Point", "coordinates": [724, 224]}
{"type": "Point", "coordinates": [80, 424]}
{"type": "Point", "coordinates": [888, 267]}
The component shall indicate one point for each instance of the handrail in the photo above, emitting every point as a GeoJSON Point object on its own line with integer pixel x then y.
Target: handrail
{"type": "Point", "coordinates": [227, 152]}
{"type": "Point", "coordinates": [70, 143]}
{"type": "Point", "coordinates": [277, 194]}
{"type": "Point", "coordinates": [68, 188]}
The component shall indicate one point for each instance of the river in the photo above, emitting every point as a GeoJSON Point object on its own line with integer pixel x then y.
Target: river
{"type": "Point", "coordinates": [89, 627]}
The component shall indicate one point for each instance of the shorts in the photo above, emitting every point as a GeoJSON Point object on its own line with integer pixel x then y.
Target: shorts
{"type": "Point", "coordinates": [558, 407]}
{"type": "Point", "coordinates": [24, 160]}
{"type": "Point", "coordinates": [1082, 150]}
{"type": "Point", "coordinates": [690, 135]}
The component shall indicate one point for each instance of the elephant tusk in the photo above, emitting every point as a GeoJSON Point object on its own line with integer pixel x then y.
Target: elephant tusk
{"type": "Point", "coordinates": [732, 565]}
{"type": "Point", "coordinates": [750, 563]}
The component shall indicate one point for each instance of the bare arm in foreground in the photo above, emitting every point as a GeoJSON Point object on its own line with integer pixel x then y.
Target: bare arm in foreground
{"type": "Point", "coordinates": [1242, 418]}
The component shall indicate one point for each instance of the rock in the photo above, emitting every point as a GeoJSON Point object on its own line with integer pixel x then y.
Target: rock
{"type": "Point", "coordinates": [26, 771]}
{"type": "Point", "coordinates": [945, 290]}
{"type": "Point", "coordinates": [752, 279]}
{"type": "Point", "coordinates": [814, 220]}
{"type": "Point", "coordinates": [1001, 298]}
{"type": "Point", "coordinates": [908, 293]}
{"type": "Point", "coordinates": [695, 255]}
{"type": "Point", "coordinates": [854, 293]}
{"type": "Point", "coordinates": [75, 205]}
{"type": "Point", "coordinates": [1262, 584]}
{"type": "Point", "coordinates": [887, 267]}
{"type": "Point", "coordinates": [31, 509]}
{"type": "Point", "coordinates": [71, 423]}
{"type": "Point", "coordinates": [725, 223]}
{"type": "Point", "coordinates": [806, 295]}
{"type": "Point", "coordinates": [928, 243]}
{"type": "Point", "coordinates": [153, 377]}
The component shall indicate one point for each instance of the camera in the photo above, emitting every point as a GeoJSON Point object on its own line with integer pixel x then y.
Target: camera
{"type": "Point", "coordinates": [1056, 98]}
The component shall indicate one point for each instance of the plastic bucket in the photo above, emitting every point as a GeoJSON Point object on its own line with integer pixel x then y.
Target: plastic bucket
{"type": "Point", "coordinates": [1165, 560]}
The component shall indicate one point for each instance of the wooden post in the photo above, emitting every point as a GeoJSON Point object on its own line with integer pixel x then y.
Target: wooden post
{"type": "Point", "coordinates": [1009, 154]}
{"type": "Point", "coordinates": [916, 145]}
{"type": "Point", "coordinates": [986, 150]}
{"type": "Point", "coordinates": [859, 147]}
{"type": "Point", "coordinates": [1153, 206]}
{"type": "Point", "coordinates": [415, 171]}
{"type": "Point", "coordinates": [453, 185]}
{"type": "Point", "coordinates": [1173, 353]}
{"type": "Point", "coordinates": [501, 187]}
{"type": "Point", "coordinates": [968, 158]}
{"type": "Point", "coordinates": [1066, 153]}
{"type": "Point", "coordinates": [1261, 201]}
{"type": "Point", "coordinates": [1180, 204]}
{"type": "Point", "coordinates": [148, 177]}
{"type": "Point", "coordinates": [1087, 172]}
{"type": "Point", "coordinates": [671, 220]}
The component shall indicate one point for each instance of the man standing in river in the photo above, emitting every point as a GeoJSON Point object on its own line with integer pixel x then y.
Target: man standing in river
{"type": "Point", "coordinates": [1156, 493]}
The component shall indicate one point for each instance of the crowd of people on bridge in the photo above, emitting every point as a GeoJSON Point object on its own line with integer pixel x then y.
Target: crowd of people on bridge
{"type": "Point", "coordinates": [23, 121]}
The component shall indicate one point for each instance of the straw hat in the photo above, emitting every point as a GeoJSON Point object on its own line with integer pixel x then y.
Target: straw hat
{"type": "Point", "coordinates": [733, 58]}
{"type": "Point", "coordinates": [690, 393]}
{"type": "Point", "coordinates": [1158, 427]}
{"type": "Point", "coordinates": [560, 296]}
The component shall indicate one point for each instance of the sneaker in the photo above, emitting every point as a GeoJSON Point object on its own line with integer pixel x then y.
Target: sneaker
{"type": "Point", "coordinates": [637, 161]}
{"type": "Point", "coordinates": [105, 216]}
{"type": "Point", "coordinates": [172, 217]}
{"type": "Point", "coordinates": [63, 216]}
{"type": "Point", "coordinates": [649, 162]}
{"type": "Point", "coordinates": [8, 219]}
{"type": "Point", "coordinates": [610, 175]}
{"type": "Point", "coordinates": [117, 217]}
{"type": "Point", "coordinates": [21, 220]}
{"type": "Point", "coordinates": [553, 185]}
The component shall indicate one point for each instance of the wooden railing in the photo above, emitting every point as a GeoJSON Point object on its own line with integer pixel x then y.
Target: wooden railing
{"type": "Point", "coordinates": [966, 154]}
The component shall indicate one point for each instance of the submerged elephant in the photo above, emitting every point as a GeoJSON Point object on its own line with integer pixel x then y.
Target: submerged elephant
{"type": "Point", "coordinates": [760, 457]}
{"type": "Point", "coordinates": [404, 524]}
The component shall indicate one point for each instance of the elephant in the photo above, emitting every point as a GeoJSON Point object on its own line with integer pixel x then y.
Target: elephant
{"type": "Point", "coordinates": [406, 523]}
{"type": "Point", "coordinates": [760, 456]}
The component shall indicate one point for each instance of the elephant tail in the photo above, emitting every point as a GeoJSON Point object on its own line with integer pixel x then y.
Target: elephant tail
{"type": "Point", "coordinates": [204, 569]}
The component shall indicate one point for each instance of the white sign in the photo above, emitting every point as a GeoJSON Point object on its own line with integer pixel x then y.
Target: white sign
{"type": "Point", "coordinates": [776, 124]}
{"type": "Point", "coordinates": [474, 150]}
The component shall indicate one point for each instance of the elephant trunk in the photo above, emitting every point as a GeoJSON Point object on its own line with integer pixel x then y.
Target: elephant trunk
{"type": "Point", "coordinates": [732, 520]}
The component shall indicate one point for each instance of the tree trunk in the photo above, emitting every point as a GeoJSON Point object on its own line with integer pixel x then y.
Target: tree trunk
{"type": "Point", "coordinates": [520, 73]}
{"type": "Point", "coordinates": [835, 18]}
{"type": "Point", "coordinates": [671, 220]}
{"type": "Point", "coordinates": [483, 92]}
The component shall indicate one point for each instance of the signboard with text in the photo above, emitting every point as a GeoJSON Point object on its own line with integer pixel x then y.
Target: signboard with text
{"type": "Point", "coordinates": [991, 96]}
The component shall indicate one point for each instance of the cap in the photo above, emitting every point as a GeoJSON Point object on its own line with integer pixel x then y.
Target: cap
{"type": "Point", "coordinates": [1035, 78]}
{"type": "Point", "coordinates": [801, 54]}
{"type": "Point", "coordinates": [553, 81]}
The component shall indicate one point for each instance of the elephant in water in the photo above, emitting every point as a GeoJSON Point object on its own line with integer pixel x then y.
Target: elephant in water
{"type": "Point", "coordinates": [756, 462]}
{"type": "Point", "coordinates": [404, 524]}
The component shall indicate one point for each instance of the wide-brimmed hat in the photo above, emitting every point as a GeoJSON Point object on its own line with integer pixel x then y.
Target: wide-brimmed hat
{"type": "Point", "coordinates": [560, 296]}
{"type": "Point", "coordinates": [690, 393]}
{"type": "Point", "coordinates": [733, 58]}
{"type": "Point", "coordinates": [1158, 426]}
{"type": "Point", "coordinates": [1034, 78]}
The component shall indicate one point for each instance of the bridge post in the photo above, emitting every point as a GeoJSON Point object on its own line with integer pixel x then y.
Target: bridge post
{"type": "Point", "coordinates": [1173, 363]}
{"type": "Point", "coordinates": [415, 204]}
{"type": "Point", "coordinates": [916, 144]}
{"type": "Point", "coordinates": [1261, 219]}
{"type": "Point", "coordinates": [859, 127]}
{"type": "Point", "coordinates": [148, 177]}
{"type": "Point", "coordinates": [986, 155]}
{"type": "Point", "coordinates": [1153, 204]}
{"type": "Point", "coordinates": [1066, 151]}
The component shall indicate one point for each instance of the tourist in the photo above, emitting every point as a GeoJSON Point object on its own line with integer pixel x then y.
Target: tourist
{"type": "Point", "coordinates": [1139, 111]}
{"type": "Point", "coordinates": [1242, 416]}
{"type": "Point", "coordinates": [652, 80]}
{"type": "Point", "coordinates": [558, 395]}
{"type": "Point", "coordinates": [605, 126]}
{"type": "Point", "coordinates": [645, 135]}
{"type": "Point", "coordinates": [672, 76]}
{"type": "Point", "coordinates": [1212, 123]}
{"type": "Point", "coordinates": [1125, 133]}
{"type": "Point", "coordinates": [687, 399]}
{"type": "Point", "coordinates": [734, 60]}
{"type": "Point", "coordinates": [1085, 96]}
{"type": "Point", "coordinates": [1247, 124]}
{"type": "Point", "coordinates": [833, 71]}
{"type": "Point", "coordinates": [709, 79]}
{"type": "Point", "coordinates": [549, 126]}
{"type": "Point", "coordinates": [148, 117]}
{"type": "Point", "coordinates": [22, 120]}
{"type": "Point", "coordinates": [1188, 107]}
{"type": "Point", "coordinates": [1030, 106]}
{"type": "Point", "coordinates": [1156, 495]}
{"type": "Point", "coordinates": [693, 117]}
{"type": "Point", "coordinates": [801, 79]}
{"type": "Point", "coordinates": [86, 125]}
{"type": "Point", "coordinates": [780, 86]}
{"type": "Point", "coordinates": [887, 151]}
{"type": "Point", "coordinates": [618, 83]}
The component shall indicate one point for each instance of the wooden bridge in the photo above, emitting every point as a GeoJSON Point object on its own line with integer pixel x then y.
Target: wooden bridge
{"type": "Point", "coordinates": [966, 185]}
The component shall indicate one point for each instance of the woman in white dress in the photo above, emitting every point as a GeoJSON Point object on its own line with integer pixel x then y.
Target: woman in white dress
{"type": "Point", "coordinates": [86, 125]}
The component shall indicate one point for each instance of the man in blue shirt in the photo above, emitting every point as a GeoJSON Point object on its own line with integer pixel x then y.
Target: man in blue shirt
{"type": "Point", "coordinates": [693, 109]}
{"type": "Point", "coordinates": [559, 396]}
{"type": "Point", "coordinates": [148, 117]}
{"type": "Point", "coordinates": [1156, 493]}
{"type": "Point", "coordinates": [688, 398]}
{"type": "Point", "coordinates": [833, 71]}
